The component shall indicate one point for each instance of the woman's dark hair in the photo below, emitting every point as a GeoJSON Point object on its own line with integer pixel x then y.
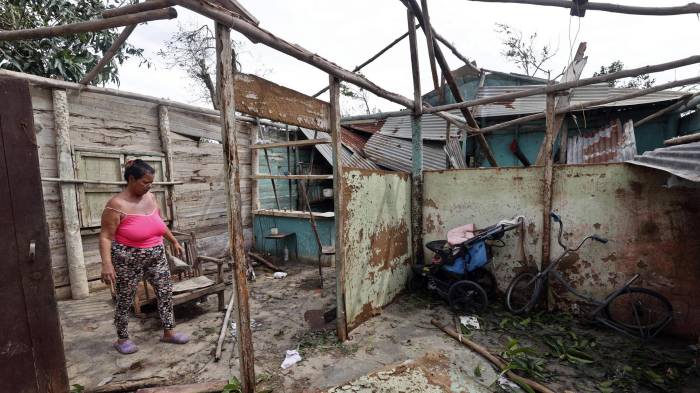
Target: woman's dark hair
{"type": "Point", "coordinates": [137, 169]}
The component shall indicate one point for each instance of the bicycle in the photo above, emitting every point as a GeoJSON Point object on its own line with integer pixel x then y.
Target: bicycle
{"type": "Point", "coordinates": [634, 311]}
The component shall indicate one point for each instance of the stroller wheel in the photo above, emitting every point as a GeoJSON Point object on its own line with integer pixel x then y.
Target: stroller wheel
{"type": "Point", "coordinates": [467, 297]}
{"type": "Point", "coordinates": [485, 279]}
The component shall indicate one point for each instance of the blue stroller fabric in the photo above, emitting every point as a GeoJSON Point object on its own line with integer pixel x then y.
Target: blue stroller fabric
{"type": "Point", "coordinates": [475, 257]}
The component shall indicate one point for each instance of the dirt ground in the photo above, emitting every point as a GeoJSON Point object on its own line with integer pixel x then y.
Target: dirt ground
{"type": "Point", "coordinates": [397, 351]}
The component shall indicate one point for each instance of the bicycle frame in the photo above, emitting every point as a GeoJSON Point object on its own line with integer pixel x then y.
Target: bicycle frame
{"type": "Point", "coordinates": [599, 305]}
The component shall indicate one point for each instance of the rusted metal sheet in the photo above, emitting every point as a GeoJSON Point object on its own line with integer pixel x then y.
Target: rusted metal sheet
{"type": "Point", "coordinates": [351, 158]}
{"type": "Point", "coordinates": [258, 97]}
{"type": "Point", "coordinates": [649, 225]}
{"type": "Point", "coordinates": [682, 160]}
{"type": "Point", "coordinates": [377, 238]}
{"type": "Point", "coordinates": [612, 143]}
{"type": "Point", "coordinates": [484, 197]}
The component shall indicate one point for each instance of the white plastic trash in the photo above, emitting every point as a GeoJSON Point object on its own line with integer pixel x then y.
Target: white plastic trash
{"type": "Point", "coordinates": [291, 358]}
{"type": "Point", "coordinates": [470, 322]}
{"type": "Point", "coordinates": [279, 275]}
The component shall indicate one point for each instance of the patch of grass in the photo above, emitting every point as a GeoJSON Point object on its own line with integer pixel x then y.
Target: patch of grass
{"type": "Point", "coordinates": [311, 341]}
{"type": "Point", "coordinates": [77, 388]}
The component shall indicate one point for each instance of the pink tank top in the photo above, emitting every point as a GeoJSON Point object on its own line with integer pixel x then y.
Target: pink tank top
{"type": "Point", "coordinates": [141, 230]}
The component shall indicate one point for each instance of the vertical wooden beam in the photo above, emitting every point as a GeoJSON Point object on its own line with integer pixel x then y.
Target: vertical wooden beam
{"type": "Point", "coordinates": [563, 141]}
{"type": "Point", "coordinates": [449, 78]}
{"type": "Point", "coordinates": [547, 186]}
{"type": "Point", "coordinates": [429, 37]}
{"type": "Point", "coordinates": [254, 170]}
{"type": "Point", "coordinates": [69, 199]}
{"type": "Point", "coordinates": [164, 128]}
{"type": "Point", "coordinates": [225, 83]}
{"type": "Point", "coordinates": [417, 148]}
{"type": "Point", "coordinates": [334, 122]}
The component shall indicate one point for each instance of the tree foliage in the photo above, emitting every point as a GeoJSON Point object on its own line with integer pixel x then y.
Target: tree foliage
{"type": "Point", "coordinates": [524, 50]}
{"type": "Point", "coordinates": [642, 81]}
{"type": "Point", "coordinates": [193, 50]}
{"type": "Point", "coordinates": [69, 57]}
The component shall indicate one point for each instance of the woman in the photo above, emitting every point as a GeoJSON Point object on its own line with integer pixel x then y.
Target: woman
{"type": "Point", "coordinates": [131, 247]}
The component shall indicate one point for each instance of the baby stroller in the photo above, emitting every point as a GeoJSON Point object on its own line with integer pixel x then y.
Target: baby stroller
{"type": "Point", "coordinates": [457, 271]}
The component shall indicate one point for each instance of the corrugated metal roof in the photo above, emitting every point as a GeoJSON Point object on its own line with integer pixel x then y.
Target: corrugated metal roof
{"type": "Point", "coordinates": [536, 104]}
{"type": "Point", "coordinates": [350, 159]}
{"type": "Point", "coordinates": [395, 153]}
{"type": "Point", "coordinates": [434, 127]}
{"type": "Point", "coordinates": [370, 126]}
{"type": "Point", "coordinates": [612, 143]}
{"type": "Point", "coordinates": [353, 140]}
{"type": "Point", "coordinates": [682, 160]}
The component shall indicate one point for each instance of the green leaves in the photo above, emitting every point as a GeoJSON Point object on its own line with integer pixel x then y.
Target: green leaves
{"type": "Point", "coordinates": [233, 386]}
{"type": "Point", "coordinates": [69, 57]}
{"type": "Point", "coordinates": [570, 350]}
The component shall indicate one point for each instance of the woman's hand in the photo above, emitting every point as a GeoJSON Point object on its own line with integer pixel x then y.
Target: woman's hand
{"type": "Point", "coordinates": [179, 251]}
{"type": "Point", "coordinates": [108, 275]}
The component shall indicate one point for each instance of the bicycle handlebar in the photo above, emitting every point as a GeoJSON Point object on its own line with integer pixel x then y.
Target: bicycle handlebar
{"type": "Point", "coordinates": [556, 218]}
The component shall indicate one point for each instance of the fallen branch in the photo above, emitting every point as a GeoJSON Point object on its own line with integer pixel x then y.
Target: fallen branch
{"type": "Point", "coordinates": [206, 387]}
{"type": "Point", "coordinates": [111, 52]}
{"type": "Point", "coordinates": [265, 262]}
{"type": "Point", "coordinates": [87, 26]}
{"type": "Point", "coordinates": [127, 386]}
{"type": "Point", "coordinates": [224, 327]}
{"type": "Point", "coordinates": [681, 140]}
{"type": "Point", "coordinates": [492, 358]}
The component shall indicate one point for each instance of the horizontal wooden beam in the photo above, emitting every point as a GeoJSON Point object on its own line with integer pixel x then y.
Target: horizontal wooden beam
{"type": "Point", "coordinates": [666, 110]}
{"type": "Point", "coordinates": [87, 26]}
{"type": "Point", "coordinates": [259, 97]}
{"type": "Point", "coordinates": [567, 85]}
{"type": "Point", "coordinates": [291, 177]}
{"type": "Point", "coordinates": [690, 8]}
{"type": "Point", "coordinates": [105, 182]}
{"type": "Point", "coordinates": [262, 36]}
{"type": "Point", "coordinates": [304, 142]}
{"type": "Point", "coordinates": [136, 8]}
{"type": "Point", "coordinates": [235, 6]}
{"type": "Point", "coordinates": [592, 104]}
{"type": "Point", "coordinates": [680, 140]}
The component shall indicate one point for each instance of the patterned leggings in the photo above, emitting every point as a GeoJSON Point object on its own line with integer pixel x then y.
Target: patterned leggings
{"type": "Point", "coordinates": [130, 265]}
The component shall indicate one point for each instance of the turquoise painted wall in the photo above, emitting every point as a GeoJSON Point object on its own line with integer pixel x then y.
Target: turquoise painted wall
{"type": "Point", "coordinates": [308, 248]}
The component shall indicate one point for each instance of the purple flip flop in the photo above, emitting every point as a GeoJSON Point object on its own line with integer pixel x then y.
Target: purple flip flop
{"type": "Point", "coordinates": [126, 348]}
{"type": "Point", "coordinates": [176, 338]}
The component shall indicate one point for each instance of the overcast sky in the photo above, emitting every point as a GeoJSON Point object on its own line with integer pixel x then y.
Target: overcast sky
{"type": "Point", "coordinates": [349, 32]}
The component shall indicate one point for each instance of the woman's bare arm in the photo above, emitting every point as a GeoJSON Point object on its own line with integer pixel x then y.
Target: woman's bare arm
{"type": "Point", "coordinates": [110, 222]}
{"type": "Point", "coordinates": [179, 251]}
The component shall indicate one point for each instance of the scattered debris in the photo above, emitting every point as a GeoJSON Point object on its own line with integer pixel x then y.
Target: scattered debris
{"type": "Point", "coordinates": [291, 358]}
{"type": "Point", "coordinates": [470, 322]}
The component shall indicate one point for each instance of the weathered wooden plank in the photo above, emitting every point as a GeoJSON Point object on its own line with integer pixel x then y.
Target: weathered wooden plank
{"type": "Point", "coordinates": [293, 177]}
{"type": "Point", "coordinates": [303, 142]}
{"type": "Point", "coordinates": [69, 198]}
{"type": "Point", "coordinates": [258, 97]}
{"type": "Point", "coordinates": [225, 77]}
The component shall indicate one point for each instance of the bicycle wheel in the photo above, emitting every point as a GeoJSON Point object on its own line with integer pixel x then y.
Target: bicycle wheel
{"type": "Point", "coordinates": [485, 279]}
{"type": "Point", "coordinates": [523, 292]}
{"type": "Point", "coordinates": [639, 309]}
{"type": "Point", "coordinates": [467, 297]}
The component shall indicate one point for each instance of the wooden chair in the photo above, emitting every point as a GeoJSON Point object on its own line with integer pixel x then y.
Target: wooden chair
{"type": "Point", "coordinates": [189, 281]}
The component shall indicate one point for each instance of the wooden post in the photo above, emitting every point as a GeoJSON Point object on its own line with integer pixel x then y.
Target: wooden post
{"type": "Point", "coordinates": [449, 78]}
{"type": "Point", "coordinates": [254, 170]}
{"type": "Point", "coordinates": [164, 128]}
{"type": "Point", "coordinates": [334, 122]}
{"type": "Point", "coordinates": [547, 186]}
{"type": "Point", "coordinates": [417, 149]}
{"type": "Point", "coordinates": [430, 39]}
{"type": "Point", "coordinates": [225, 83]}
{"type": "Point", "coordinates": [69, 199]}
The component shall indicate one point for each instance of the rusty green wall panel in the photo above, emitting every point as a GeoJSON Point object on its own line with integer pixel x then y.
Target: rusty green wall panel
{"type": "Point", "coordinates": [651, 227]}
{"type": "Point", "coordinates": [484, 197]}
{"type": "Point", "coordinates": [377, 239]}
